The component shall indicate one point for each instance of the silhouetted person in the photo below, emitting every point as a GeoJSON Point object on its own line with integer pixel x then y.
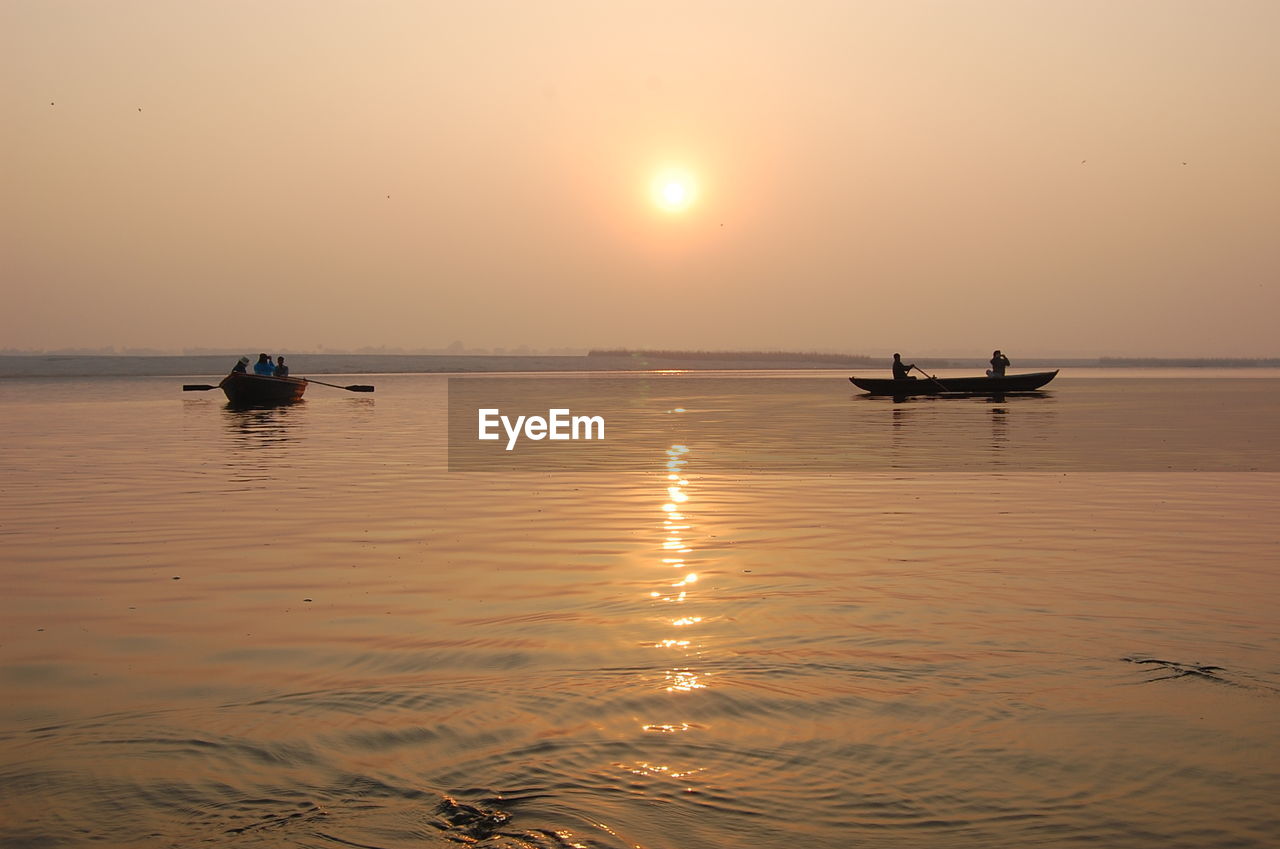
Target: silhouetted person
{"type": "Point", "coordinates": [902, 371]}
{"type": "Point", "coordinates": [999, 362]}
{"type": "Point", "coordinates": [282, 370]}
{"type": "Point", "coordinates": [264, 366]}
{"type": "Point", "coordinates": [241, 367]}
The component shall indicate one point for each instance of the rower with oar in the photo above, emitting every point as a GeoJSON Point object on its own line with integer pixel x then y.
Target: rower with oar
{"type": "Point", "coordinates": [902, 371]}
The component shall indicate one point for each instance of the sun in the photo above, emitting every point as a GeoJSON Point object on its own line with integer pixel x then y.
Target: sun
{"type": "Point", "coordinates": [674, 190]}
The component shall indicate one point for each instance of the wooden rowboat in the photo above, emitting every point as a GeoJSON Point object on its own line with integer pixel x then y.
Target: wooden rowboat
{"type": "Point", "coordinates": [955, 385]}
{"type": "Point", "coordinates": [256, 390]}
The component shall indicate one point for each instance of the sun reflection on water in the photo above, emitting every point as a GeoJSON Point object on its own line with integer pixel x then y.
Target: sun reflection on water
{"type": "Point", "coordinates": [649, 770]}
{"type": "Point", "coordinates": [680, 679]}
{"type": "Point", "coordinates": [674, 551]}
{"type": "Point", "coordinates": [684, 681]}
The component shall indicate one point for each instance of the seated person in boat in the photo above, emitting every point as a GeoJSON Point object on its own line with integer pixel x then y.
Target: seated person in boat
{"type": "Point", "coordinates": [999, 362]}
{"type": "Point", "coordinates": [264, 366]}
{"type": "Point", "coordinates": [901, 370]}
{"type": "Point", "coordinates": [241, 366]}
{"type": "Point", "coordinates": [282, 370]}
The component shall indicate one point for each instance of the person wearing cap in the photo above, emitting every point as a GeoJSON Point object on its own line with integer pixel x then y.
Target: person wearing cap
{"type": "Point", "coordinates": [241, 367]}
{"type": "Point", "coordinates": [902, 371]}
{"type": "Point", "coordinates": [264, 366]}
{"type": "Point", "coordinates": [999, 362]}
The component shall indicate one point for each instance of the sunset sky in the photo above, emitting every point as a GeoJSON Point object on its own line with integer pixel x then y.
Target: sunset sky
{"type": "Point", "coordinates": [1051, 178]}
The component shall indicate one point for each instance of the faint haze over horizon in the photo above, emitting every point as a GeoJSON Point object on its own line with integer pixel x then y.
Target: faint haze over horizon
{"type": "Point", "coordinates": [938, 178]}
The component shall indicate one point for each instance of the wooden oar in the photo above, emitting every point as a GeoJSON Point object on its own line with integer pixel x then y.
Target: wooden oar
{"type": "Point", "coordinates": [197, 387]}
{"type": "Point", "coordinates": [355, 387]}
{"type": "Point", "coordinates": [931, 377]}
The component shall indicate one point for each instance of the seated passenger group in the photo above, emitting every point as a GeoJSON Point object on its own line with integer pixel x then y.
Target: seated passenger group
{"type": "Point", "coordinates": [263, 367]}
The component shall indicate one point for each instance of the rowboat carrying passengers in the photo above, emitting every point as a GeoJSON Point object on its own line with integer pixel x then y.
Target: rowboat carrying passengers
{"type": "Point", "coordinates": [265, 390]}
{"type": "Point", "coordinates": [1028, 382]}
{"type": "Point", "coordinates": [254, 390]}
{"type": "Point", "coordinates": [996, 382]}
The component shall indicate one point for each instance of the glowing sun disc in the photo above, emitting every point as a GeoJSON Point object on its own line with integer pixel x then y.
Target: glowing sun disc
{"type": "Point", "coordinates": [674, 191]}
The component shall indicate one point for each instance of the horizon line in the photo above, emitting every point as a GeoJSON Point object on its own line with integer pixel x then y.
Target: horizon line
{"type": "Point", "coordinates": [580, 353]}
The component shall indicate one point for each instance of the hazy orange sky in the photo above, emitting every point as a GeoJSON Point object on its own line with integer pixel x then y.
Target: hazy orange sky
{"type": "Point", "coordinates": [1089, 178]}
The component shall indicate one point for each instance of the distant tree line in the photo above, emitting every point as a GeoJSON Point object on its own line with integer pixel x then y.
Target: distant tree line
{"type": "Point", "coordinates": [1190, 362]}
{"type": "Point", "coordinates": [769, 356]}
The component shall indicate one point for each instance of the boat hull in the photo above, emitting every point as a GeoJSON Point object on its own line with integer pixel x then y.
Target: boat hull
{"type": "Point", "coordinates": [255, 390]}
{"type": "Point", "coordinates": [1029, 382]}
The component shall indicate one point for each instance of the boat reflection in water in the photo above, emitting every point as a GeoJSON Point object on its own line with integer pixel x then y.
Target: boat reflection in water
{"type": "Point", "coordinates": [974, 433]}
{"type": "Point", "coordinates": [262, 427]}
{"type": "Point", "coordinates": [999, 426]}
{"type": "Point", "coordinates": [262, 443]}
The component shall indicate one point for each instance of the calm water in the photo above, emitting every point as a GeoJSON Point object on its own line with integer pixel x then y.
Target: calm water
{"type": "Point", "coordinates": [295, 627]}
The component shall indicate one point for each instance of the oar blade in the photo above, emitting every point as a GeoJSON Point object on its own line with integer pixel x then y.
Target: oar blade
{"type": "Point", "coordinates": [355, 387]}
{"type": "Point", "coordinates": [197, 387]}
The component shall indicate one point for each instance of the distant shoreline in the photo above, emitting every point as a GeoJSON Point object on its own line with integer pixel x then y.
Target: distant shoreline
{"type": "Point", "coordinates": [72, 365]}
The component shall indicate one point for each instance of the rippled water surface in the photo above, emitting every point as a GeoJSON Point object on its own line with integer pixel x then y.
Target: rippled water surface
{"type": "Point", "coordinates": [295, 627]}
